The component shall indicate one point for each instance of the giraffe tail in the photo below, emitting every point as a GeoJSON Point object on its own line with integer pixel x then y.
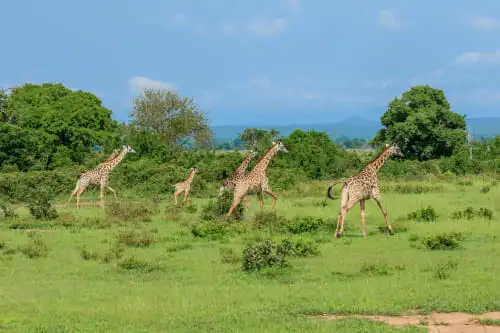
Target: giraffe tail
{"type": "Point", "coordinates": [329, 192]}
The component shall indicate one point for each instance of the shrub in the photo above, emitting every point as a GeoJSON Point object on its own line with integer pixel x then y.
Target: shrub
{"type": "Point", "coordinates": [88, 255]}
{"type": "Point", "coordinates": [134, 238]}
{"type": "Point", "coordinates": [36, 248]}
{"type": "Point", "coordinates": [39, 205]}
{"type": "Point", "coordinates": [134, 264]}
{"type": "Point", "coordinates": [427, 214]}
{"type": "Point", "coordinates": [415, 188]}
{"type": "Point", "coordinates": [7, 211]}
{"type": "Point", "coordinates": [443, 268]}
{"type": "Point", "coordinates": [264, 254]}
{"type": "Point", "coordinates": [269, 220]}
{"type": "Point", "coordinates": [178, 247]}
{"type": "Point", "coordinates": [444, 241]}
{"type": "Point", "coordinates": [301, 224]}
{"type": "Point", "coordinates": [209, 230]}
{"type": "Point", "coordinates": [130, 211]}
{"type": "Point", "coordinates": [469, 213]}
{"type": "Point", "coordinates": [300, 247]}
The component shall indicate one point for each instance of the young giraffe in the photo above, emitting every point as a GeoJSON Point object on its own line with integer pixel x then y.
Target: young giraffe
{"type": "Point", "coordinates": [256, 181]}
{"type": "Point", "coordinates": [361, 187]}
{"type": "Point", "coordinates": [239, 173]}
{"type": "Point", "coordinates": [184, 186]}
{"type": "Point", "coordinates": [99, 176]}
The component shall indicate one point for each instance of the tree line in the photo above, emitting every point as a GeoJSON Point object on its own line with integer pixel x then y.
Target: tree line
{"type": "Point", "coordinates": [49, 131]}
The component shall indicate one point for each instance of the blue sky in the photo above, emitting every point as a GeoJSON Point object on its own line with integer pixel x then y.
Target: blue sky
{"type": "Point", "coordinates": [255, 61]}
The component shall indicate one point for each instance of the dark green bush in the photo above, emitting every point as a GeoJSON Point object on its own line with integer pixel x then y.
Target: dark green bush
{"type": "Point", "coordinates": [427, 214]}
{"type": "Point", "coordinates": [469, 213]}
{"type": "Point", "coordinates": [39, 205]}
{"type": "Point", "coordinates": [209, 230]}
{"type": "Point", "coordinates": [444, 241]}
{"type": "Point", "coordinates": [264, 254]}
{"type": "Point", "coordinates": [301, 224]}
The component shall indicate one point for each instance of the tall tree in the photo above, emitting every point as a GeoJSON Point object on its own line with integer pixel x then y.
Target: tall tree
{"type": "Point", "coordinates": [258, 138]}
{"type": "Point", "coordinates": [422, 123]}
{"type": "Point", "coordinates": [173, 119]}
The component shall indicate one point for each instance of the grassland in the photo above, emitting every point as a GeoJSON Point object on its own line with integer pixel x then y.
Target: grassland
{"type": "Point", "coordinates": [137, 267]}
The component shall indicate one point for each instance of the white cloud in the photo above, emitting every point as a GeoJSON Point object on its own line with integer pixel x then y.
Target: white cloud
{"type": "Point", "coordinates": [266, 28]}
{"type": "Point", "coordinates": [480, 22]}
{"type": "Point", "coordinates": [139, 83]}
{"type": "Point", "coordinates": [179, 19]}
{"type": "Point", "coordinates": [477, 58]}
{"type": "Point", "coordinates": [387, 19]}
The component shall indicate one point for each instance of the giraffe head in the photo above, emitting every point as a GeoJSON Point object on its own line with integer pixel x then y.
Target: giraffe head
{"type": "Point", "coordinates": [128, 149]}
{"type": "Point", "coordinates": [195, 170]}
{"type": "Point", "coordinates": [254, 153]}
{"type": "Point", "coordinates": [279, 146]}
{"type": "Point", "coordinates": [394, 150]}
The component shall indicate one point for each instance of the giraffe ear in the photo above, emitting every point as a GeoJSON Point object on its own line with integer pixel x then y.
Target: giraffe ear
{"type": "Point", "coordinates": [274, 142]}
{"type": "Point", "coordinates": [387, 145]}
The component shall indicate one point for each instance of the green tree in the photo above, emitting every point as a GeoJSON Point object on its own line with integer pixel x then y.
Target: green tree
{"type": "Point", "coordinates": [76, 118]}
{"type": "Point", "coordinates": [260, 138]}
{"type": "Point", "coordinates": [422, 123]}
{"type": "Point", "coordinates": [174, 120]}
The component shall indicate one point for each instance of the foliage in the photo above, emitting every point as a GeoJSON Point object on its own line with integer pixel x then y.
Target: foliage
{"type": "Point", "coordinates": [39, 205]}
{"type": "Point", "coordinates": [469, 213]}
{"type": "Point", "coordinates": [427, 214]}
{"type": "Point", "coordinates": [422, 123]}
{"type": "Point", "coordinates": [264, 254]}
{"type": "Point", "coordinates": [169, 117]}
{"type": "Point", "coordinates": [443, 241]}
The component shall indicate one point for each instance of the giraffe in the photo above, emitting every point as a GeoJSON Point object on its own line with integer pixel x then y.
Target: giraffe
{"type": "Point", "coordinates": [361, 187]}
{"type": "Point", "coordinates": [256, 181]}
{"type": "Point", "coordinates": [99, 176]}
{"type": "Point", "coordinates": [230, 183]}
{"type": "Point", "coordinates": [185, 185]}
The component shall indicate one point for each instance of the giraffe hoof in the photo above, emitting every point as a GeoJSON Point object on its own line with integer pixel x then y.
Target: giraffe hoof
{"type": "Point", "coordinates": [337, 235]}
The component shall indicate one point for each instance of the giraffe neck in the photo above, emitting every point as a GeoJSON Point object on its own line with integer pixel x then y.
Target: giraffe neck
{"type": "Point", "coordinates": [263, 163]}
{"type": "Point", "coordinates": [243, 166]}
{"type": "Point", "coordinates": [189, 179]}
{"type": "Point", "coordinates": [110, 165]}
{"type": "Point", "coordinates": [379, 161]}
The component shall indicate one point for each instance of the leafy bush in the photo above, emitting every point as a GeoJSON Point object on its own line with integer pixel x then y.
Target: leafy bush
{"type": "Point", "coordinates": [444, 241]}
{"type": "Point", "coordinates": [209, 230]}
{"type": "Point", "coordinates": [130, 211]}
{"type": "Point", "coordinates": [36, 247]}
{"type": "Point", "coordinates": [443, 268]}
{"type": "Point", "coordinates": [7, 211]}
{"type": "Point", "coordinates": [228, 256]}
{"type": "Point", "coordinates": [300, 247]}
{"type": "Point", "coordinates": [264, 254]}
{"type": "Point", "coordinates": [134, 264]}
{"type": "Point", "coordinates": [301, 224]}
{"type": "Point", "coordinates": [469, 213]}
{"type": "Point", "coordinates": [144, 238]}
{"type": "Point", "coordinates": [39, 205]}
{"type": "Point", "coordinates": [88, 255]}
{"type": "Point", "coordinates": [269, 220]}
{"type": "Point", "coordinates": [427, 214]}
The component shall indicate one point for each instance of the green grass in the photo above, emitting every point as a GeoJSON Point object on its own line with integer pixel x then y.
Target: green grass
{"type": "Point", "coordinates": [102, 273]}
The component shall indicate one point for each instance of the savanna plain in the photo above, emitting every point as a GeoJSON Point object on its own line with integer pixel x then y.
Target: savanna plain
{"type": "Point", "coordinates": [144, 265]}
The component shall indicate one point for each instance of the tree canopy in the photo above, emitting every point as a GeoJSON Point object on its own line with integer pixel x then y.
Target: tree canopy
{"type": "Point", "coordinates": [173, 119]}
{"type": "Point", "coordinates": [422, 123]}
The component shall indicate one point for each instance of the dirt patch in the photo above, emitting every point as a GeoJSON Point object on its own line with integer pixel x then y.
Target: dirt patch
{"type": "Point", "coordinates": [455, 322]}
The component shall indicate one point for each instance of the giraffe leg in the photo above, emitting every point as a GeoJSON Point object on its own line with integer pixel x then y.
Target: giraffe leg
{"type": "Point", "coordinates": [384, 211]}
{"type": "Point", "coordinates": [186, 193]}
{"type": "Point", "coordinates": [347, 209]}
{"type": "Point", "coordinates": [176, 194]}
{"type": "Point", "coordinates": [78, 197]}
{"type": "Point", "coordinates": [261, 200]}
{"type": "Point", "coordinates": [71, 196]}
{"type": "Point", "coordinates": [101, 196]}
{"type": "Point", "coordinates": [237, 197]}
{"type": "Point", "coordinates": [342, 212]}
{"type": "Point", "coordinates": [273, 196]}
{"type": "Point", "coordinates": [246, 201]}
{"type": "Point", "coordinates": [114, 192]}
{"type": "Point", "coordinates": [363, 216]}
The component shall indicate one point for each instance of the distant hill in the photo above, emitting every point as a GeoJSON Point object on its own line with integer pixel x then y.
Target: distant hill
{"type": "Point", "coordinates": [354, 127]}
